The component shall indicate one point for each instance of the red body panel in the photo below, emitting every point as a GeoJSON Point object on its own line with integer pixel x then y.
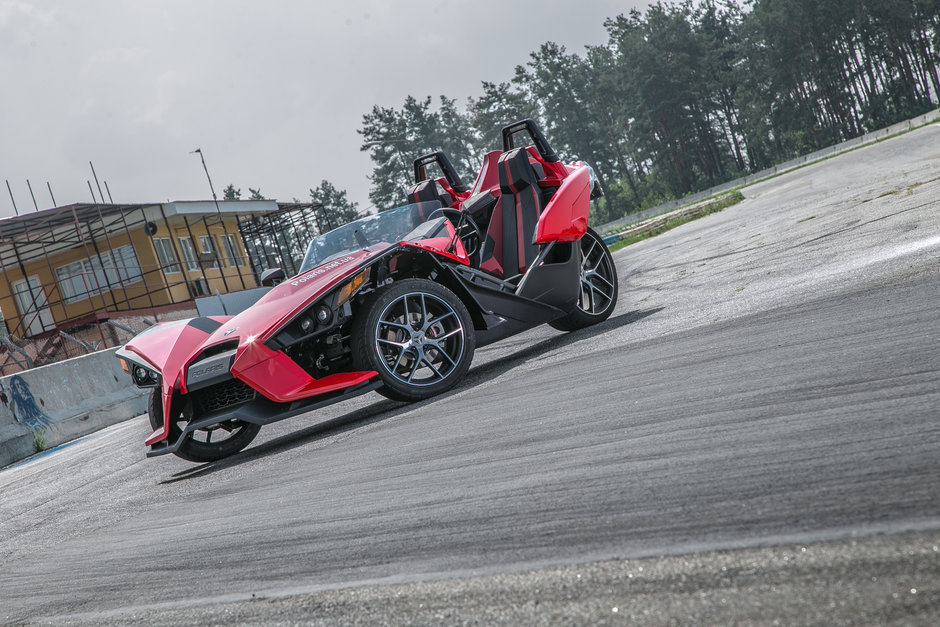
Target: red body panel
{"type": "Point", "coordinates": [458, 197]}
{"type": "Point", "coordinates": [439, 246]}
{"type": "Point", "coordinates": [276, 376]}
{"type": "Point", "coordinates": [172, 347]}
{"type": "Point", "coordinates": [565, 219]}
{"type": "Point", "coordinates": [488, 178]}
{"type": "Point", "coordinates": [290, 297]}
{"type": "Point", "coordinates": [169, 347]}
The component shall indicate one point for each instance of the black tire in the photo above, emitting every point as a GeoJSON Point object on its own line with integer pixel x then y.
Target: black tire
{"type": "Point", "coordinates": [417, 335]}
{"type": "Point", "coordinates": [599, 290]}
{"type": "Point", "coordinates": [238, 435]}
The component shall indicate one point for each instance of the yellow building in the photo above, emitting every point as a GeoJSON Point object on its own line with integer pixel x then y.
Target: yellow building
{"type": "Point", "coordinates": [78, 265]}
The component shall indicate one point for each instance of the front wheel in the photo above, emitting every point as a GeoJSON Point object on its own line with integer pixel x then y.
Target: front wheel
{"type": "Point", "coordinates": [203, 445]}
{"type": "Point", "coordinates": [417, 335]}
{"type": "Point", "coordinates": [598, 286]}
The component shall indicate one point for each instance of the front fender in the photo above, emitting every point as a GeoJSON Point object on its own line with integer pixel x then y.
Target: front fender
{"type": "Point", "coordinates": [167, 348]}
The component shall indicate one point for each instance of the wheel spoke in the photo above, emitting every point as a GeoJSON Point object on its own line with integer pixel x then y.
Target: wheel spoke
{"type": "Point", "coordinates": [414, 369]}
{"type": "Point", "coordinates": [449, 314]}
{"type": "Point", "coordinates": [443, 353]}
{"type": "Point", "coordinates": [595, 291]}
{"type": "Point", "coordinates": [600, 277]}
{"type": "Point", "coordinates": [431, 366]}
{"type": "Point", "coordinates": [587, 255]}
{"type": "Point", "coordinates": [591, 290]}
{"type": "Point", "coordinates": [424, 313]}
{"type": "Point", "coordinates": [401, 354]}
{"type": "Point", "coordinates": [448, 334]}
{"type": "Point", "coordinates": [399, 345]}
{"type": "Point", "coordinates": [389, 323]}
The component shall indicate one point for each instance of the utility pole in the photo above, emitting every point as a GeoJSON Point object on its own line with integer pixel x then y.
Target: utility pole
{"type": "Point", "coordinates": [208, 178]}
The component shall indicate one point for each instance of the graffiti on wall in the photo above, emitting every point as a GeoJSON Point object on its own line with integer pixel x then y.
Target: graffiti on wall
{"type": "Point", "coordinates": [24, 406]}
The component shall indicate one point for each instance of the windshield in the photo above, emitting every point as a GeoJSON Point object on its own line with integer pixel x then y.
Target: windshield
{"type": "Point", "coordinates": [387, 226]}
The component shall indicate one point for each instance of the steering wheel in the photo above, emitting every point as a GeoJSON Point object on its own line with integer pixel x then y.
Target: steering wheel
{"type": "Point", "coordinates": [467, 230]}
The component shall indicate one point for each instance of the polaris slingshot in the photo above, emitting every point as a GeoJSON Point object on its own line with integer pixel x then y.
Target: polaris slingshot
{"type": "Point", "coordinates": [394, 302]}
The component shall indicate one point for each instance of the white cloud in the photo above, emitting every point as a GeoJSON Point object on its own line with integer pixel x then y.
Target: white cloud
{"type": "Point", "coordinates": [272, 92]}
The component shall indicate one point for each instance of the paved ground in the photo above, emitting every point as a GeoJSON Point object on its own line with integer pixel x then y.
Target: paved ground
{"type": "Point", "coordinates": [769, 382]}
{"type": "Point", "coordinates": [876, 580]}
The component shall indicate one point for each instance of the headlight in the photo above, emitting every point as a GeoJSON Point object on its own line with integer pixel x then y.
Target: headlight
{"type": "Point", "coordinates": [324, 315]}
{"type": "Point", "coordinates": [143, 377]}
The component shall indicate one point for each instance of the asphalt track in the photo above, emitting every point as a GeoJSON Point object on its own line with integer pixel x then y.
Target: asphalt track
{"type": "Point", "coordinates": [771, 378]}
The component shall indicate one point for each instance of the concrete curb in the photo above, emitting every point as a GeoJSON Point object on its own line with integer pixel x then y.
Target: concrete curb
{"type": "Point", "coordinates": [64, 401]}
{"type": "Point", "coordinates": [657, 222]}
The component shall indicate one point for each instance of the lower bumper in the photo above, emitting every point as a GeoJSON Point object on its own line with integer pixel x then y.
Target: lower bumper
{"type": "Point", "coordinates": [263, 411]}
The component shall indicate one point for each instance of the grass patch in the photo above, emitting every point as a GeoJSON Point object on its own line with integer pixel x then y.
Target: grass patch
{"type": "Point", "coordinates": [633, 239]}
{"type": "Point", "coordinates": [806, 219]}
{"type": "Point", "coordinates": [722, 202]}
{"type": "Point", "coordinates": [40, 440]}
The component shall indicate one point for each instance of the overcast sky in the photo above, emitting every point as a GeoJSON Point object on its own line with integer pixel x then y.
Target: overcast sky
{"type": "Point", "coordinates": [273, 92]}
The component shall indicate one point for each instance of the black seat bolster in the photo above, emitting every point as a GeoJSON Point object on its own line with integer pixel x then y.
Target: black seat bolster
{"type": "Point", "coordinates": [539, 170]}
{"type": "Point", "coordinates": [516, 172]}
{"type": "Point", "coordinates": [480, 207]}
{"type": "Point", "coordinates": [428, 190]}
{"type": "Point", "coordinates": [424, 191]}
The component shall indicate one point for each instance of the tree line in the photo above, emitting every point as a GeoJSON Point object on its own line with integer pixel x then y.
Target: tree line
{"type": "Point", "coordinates": [685, 95]}
{"type": "Point", "coordinates": [331, 206]}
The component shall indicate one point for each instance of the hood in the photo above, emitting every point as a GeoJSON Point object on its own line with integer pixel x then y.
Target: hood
{"type": "Point", "coordinates": [281, 304]}
{"type": "Point", "coordinates": [171, 346]}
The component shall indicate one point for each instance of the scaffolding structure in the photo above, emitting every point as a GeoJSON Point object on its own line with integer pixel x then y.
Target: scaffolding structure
{"type": "Point", "coordinates": [84, 277]}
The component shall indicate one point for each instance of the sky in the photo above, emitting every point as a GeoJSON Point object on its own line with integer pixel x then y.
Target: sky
{"type": "Point", "coordinates": [272, 91]}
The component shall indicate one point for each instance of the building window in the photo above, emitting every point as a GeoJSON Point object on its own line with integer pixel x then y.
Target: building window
{"type": "Point", "coordinates": [207, 244]}
{"type": "Point", "coordinates": [126, 264]}
{"type": "Point", "coordinates": [231, 250]}
{"type": "Point", "coordinates": [164, 248]}
{"type": "Point", "coordinates": [87, 277]}
{"type": "Point", "coordinates": [189, 253]}
{"type": "Point", "coordinates": [74, 283]}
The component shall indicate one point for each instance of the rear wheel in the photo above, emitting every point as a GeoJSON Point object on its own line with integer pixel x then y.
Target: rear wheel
{"type": "Point", "coordinates": [203, 445]}
{"type": "Point", "coordinates": [417, 335]}
{"type": "Point", "coordinates": [599, 289]}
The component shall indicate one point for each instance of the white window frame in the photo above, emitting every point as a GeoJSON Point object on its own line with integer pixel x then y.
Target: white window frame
{"type": "Point", "coordinates": [163, 247]}
{"type": "Point", "coordinates": [207, 246]}
{"type": "Point", "coordinates": [230, 245]}
{"type": "Point", "coordinates": [189, 253]}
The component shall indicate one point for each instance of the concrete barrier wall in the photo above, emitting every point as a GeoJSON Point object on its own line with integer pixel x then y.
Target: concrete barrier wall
{"type": "Point", "coordinates": [63, 401]}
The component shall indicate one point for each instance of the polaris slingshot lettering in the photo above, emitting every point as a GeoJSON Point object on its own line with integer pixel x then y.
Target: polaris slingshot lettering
{"type": "Point", "coordinates": [395, 302]}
